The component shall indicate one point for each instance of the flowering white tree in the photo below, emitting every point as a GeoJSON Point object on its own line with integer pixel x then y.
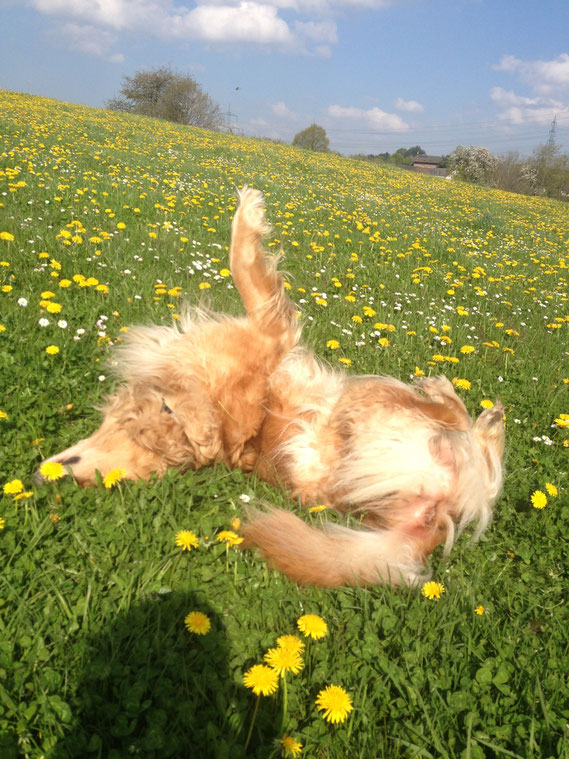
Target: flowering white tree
{"type": "Point", "coordinates": [473, 164]}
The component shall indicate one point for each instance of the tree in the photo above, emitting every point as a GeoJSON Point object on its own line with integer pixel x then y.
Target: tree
{"type": "Point", "coordinates": [313, 138]}
{"type": "Point", "coordinates": [166, 94]}
{"type": "Point", "coordinates": [473, 164]}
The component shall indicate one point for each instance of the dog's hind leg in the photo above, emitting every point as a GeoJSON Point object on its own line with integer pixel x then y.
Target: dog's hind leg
{"type": "Point", "coordinates": [255, 273]}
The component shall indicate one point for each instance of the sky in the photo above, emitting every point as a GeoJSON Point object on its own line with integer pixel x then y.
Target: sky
{"type": "Point", "coordinates": [376, 74]}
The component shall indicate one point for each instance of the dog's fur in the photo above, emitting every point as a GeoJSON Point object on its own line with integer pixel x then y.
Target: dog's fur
{"type": "Point", "coordinates": [407, 459]}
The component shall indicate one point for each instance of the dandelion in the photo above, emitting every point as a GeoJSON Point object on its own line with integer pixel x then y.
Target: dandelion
{"type": "Point", "coordinates": [312, 626]}
{"type": "Point", "coordinates": [52, 470]}
{"type": "Point", "coordinates": [112, 477]}
{"type": "Point", "coordinates": [317, 509]}
{"type": "Point", "coordinates": [462, 384]}
{"type": "Point", "coordinates": [290, 746]}
{"type": "Point", "coordinates": [433, 590]}
{"type": "Point", "coordinates": [8, 236]}
{"type": "Point", "coordinates": [262, 680]}
{"type": "Point", "coordinates": [236, 523]}
{"type": "Point", "coordinates": [229, 537]}
{"type": "Point", "coordinates": [13, 487]}
{"type": "Point", "coordinates": [225, 273]}
{"type": "Point", "coordinates": [284, 660]}
{"type": "Point", "coordinates": [346, 361]}
{"type": "Point", "coordinates": [23, 496]}
{"type": "Point", "coordinates": [538, 500]}
{"type": "Point", "coordinates": [333, 345]}
{"type": "Point", "coordinates": [52, 350]}
{"type": "Point", "coordinates": [551, 489]}
{"type": "Point", "coordinates": [487, 403]}
{"type": "Point", "coordinates": [291, 642]}
{"type": "Point", "coordinates": [186, 540]}
{"type": "Point", "coordinates": [3, 415]}
{"type": "Point", "coordinates": [335, 702]}
{"type": "Point", "coordinates": [383, 342]}
{"type": "Point", "coordinates": [2, 523]}
{"type": "Point", "coordinates": [466, 349]}
{"type": "Point", "coordinates": [479, 610]}
{"type": "Point", "coordinates": [197, 622]}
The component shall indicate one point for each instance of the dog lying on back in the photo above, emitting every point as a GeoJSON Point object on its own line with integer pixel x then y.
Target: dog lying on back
{"type": "Point", "coordinates": [240, 391]}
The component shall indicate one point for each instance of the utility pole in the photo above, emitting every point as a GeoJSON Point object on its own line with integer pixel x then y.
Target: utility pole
{"type": "Point", "coordinates": [551, 138]}
{"type": "Point", "coordinates": [229, 118]}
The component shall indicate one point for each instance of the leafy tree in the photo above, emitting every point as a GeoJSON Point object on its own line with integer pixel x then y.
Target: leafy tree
{"type": "Point", "coordinates": [166, 94]}
{"type": "Point", "coordinates": [473, 164]}
{"type": "Point", "coordinates": [313, 138]}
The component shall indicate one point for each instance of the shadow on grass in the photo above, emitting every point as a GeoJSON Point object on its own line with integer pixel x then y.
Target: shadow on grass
{"type": "Point", "coordinates": [149, 688]}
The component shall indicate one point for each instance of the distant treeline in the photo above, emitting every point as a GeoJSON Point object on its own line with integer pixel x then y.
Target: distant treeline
{"type": "Point", "coordinates": [401, 157]}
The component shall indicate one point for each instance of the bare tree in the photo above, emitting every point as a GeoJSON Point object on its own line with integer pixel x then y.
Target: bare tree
{"type": "Point", "coordinates": [313, 138]}
{"type": "Point", "coordinates": [166, 94]}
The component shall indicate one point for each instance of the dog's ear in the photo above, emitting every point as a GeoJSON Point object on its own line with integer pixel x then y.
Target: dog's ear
{"type": "Point", "coordinates": [489, 429]}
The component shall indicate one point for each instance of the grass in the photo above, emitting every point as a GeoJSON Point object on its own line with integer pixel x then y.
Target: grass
{"type": "Point", "coordinates": [402, 271]}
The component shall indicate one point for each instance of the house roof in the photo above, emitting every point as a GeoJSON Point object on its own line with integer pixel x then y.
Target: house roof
{"type": "Point", "coordinates": [427, 159]}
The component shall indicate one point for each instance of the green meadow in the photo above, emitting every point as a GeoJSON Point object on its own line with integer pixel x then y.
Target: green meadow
{"type": "Point", "coordinates": [107, 220]}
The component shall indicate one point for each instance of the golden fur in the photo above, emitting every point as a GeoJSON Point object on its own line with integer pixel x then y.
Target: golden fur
{"type": "Point", "coordinates": [407, 459]}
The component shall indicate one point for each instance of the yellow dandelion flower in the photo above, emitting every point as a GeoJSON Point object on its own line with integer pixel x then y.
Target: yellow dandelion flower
{"type": "Point", "coordinates": [229, 537]}
{"type": "Point", "coordinates": [186, 540]}
{"type": "Point", "coordinates": [312, 626]}
{"type": "Point", "coordinates": [479, 610]}
{"type": "Point", "coordinates": [8, 236]}
{"type": "Point", "coordinates": [52, 470]}
{"type": "Point", "coordinates": [290, 746]}
{"type": "Point", "coordinates": [346, 361]}
{"type": "Point", "coordinates": [538, 500]}
{"type": "Point", "coordinates": [487, 403]}
{"type": "Point", "coordinates": [53, 308]}
{"type": "Point", "coordinates": [52, 350]}
{"type": "Point", "coordinates": [335, 702]}
{"type": "Point", "coordinates": [112, 477]}
{"type": "Point", "coordinates": [225, 273]}
{"type": "Point", "coordinates": [13, 487]}
{"type": "Point", "coordinates": [433, 590]}
{"type": "Point", "coordinates": [284, 660]}
{"type": "Point", "coordinates": [197, 622]}
{"type": "Point", "coordinates": [292, 642]}
{"type": "Point", "coordinates": [466, 349]}
{"type": "Point", "coordinates": [316, 509]}
{"type": "Point", "coordinates": [204, 285]}
{"type": "Point", "coordinates": [383, 342]}
{"type": "Point", "coordinates": [333, 345]}
{"type": "Point", "coordinates": [236, 523]}
{"type": "Point", "coordinates": [22, 496]}
{"type": "Point", "coordinates": [551, 489]}
{"type": "Point", "coordinates": [262, 680]}
{"type": "Point", "coordinates": [461, 384]}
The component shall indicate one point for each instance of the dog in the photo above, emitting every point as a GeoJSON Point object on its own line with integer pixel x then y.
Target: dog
{"type": "Point", "coordinates": [407, 460]}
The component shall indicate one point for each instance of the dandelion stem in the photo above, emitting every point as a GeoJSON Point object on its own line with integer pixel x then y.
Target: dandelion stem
{"type": "Point", "coordinates": [253, 718]}
{"type": "Point", "coordinates": [285, 703]}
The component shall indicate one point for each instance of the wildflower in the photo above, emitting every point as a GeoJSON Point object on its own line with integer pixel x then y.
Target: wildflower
{"type": "Point", "coordinates": [345, 361]}
{"type": "Point", "coordinates": [62, 324]}
{"type": "Point", "coordinates": [8, 236]}
{"type": "Point", "coordinates": [333, 345]}
{"type": "Point", "coordinates": [538, 500]}
{"type": "Point", "coordinates": [284, 660]}
{"type": "Point", "coordinates": [52, 470]}
{"type": "Point", "coordinates": [316, 509]}
{"type": "Point", "coordinates": [312, 626]}
{"type": "Point", "coordinates": [335, 703]}
{"type": "Point", "coordinates": [236, 523]}
{"type": "Point", "coordinates": [53, 308]}
{"type": "Point", "coordinates": [466, 349]}
{"type": "Point", "coordinates": [433, 590]}
{"type": "Point", "coordinates": [52, 350]}
{"type": "Point", "coordinates": [23, 302]}
{"type": "Point", "coordinates": [186, 540]}
{"type": "Point", "coordinates": [245, 498]}
{"type": "Point", "coordinates": [13, 487]}
{"type": "Point", "coordinates": [229, 537]}
{"type": "Point", "coordinates": [487, 403]}
{"type": "Point", "coordinates": [225, 273]}
{"type": "Point", "coordinates": [262, 680]}
{"type": "Point", "coordinates": [562, 420]}
{"type": "Point", "coordinates": [291, 747]}
{"type": "Point", "coordinates": [112, 477]}
{"type": "Point", "coordinates": [551, 489]}
{"type": "Point", "coordinates": [462, 384]}
{"type": "Point", "coordinates": [291, 642]}
{"type": "Point", "coordinates": [3, 524]}
{"type": "Point", "coordinates": [197, 623]}
{"type": "Point", "coordinates": [479, 610]}
{"type": "Point", "coordinates": [22, 496]}
{"type": "Point", "coordinates": [383, 342]}
{"type": "Point", "coordinates": [204, 285]}
{"type": "Point", "coordinates": [3, 415]}
{"type": "Point", "coordinates": [43, 322]}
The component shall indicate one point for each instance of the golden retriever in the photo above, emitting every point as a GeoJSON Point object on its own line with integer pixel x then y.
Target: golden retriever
{"type": "Point", "coordinates": [240, 391]}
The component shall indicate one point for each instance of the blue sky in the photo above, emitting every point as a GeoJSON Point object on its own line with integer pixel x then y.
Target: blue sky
{"type": "Point", "coordinates": [376, 74]}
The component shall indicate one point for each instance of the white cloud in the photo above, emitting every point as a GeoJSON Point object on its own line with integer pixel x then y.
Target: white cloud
{"type": "Point", "coordinates": [374, 118]}
{"type": "Point", "coordinates": [253, 22]}
{"type": "Point", "coordinates": [410, 106]}
{"type": "Point", "coordinates": [282, 110]}
{"type": "Point", "coordinates": [92, 41]}
{"type": "Point", "coordinates": [545, 77]}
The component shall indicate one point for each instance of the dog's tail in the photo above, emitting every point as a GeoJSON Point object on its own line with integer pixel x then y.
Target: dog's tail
{"type": "Point", "coordinates": [255, 272]}
{"type": "Point", "coordinates": [334, 555]}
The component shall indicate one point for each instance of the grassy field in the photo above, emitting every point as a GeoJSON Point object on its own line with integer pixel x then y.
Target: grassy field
{"type": "Point", "coordinates": [108, 220]}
